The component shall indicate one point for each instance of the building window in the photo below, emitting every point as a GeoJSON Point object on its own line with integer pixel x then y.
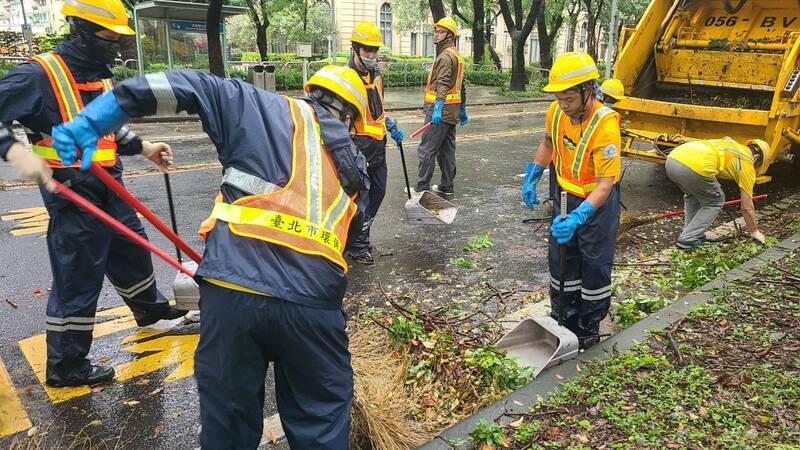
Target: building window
{"type": "Point", "coordinates": [533, 50]}
{"type": "Point", "coordinates": [493, 32]}
{"type": "Point", "coordinates": [429, 49]}
{"type": "Point", "coordinates": [570, 44]}
{"type": "Point", "coordinates": [413, 44]}
{"type": "Point", "coordinates": [584, 36]}
{"type": "Point", "coordinates": [386, 24]}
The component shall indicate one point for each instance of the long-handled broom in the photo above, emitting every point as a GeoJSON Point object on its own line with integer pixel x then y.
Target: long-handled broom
{"type": "Point", "coordinates": [629, 221]}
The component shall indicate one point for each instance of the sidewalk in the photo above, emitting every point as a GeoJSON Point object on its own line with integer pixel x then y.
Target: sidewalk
{"type": "Point", "coordinates": [663, 322]}
{"type": "Point", "coordinates": [397, 99]}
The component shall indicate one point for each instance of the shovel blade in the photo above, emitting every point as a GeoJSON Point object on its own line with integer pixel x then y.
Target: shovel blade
{"type": "Point", "coordinates": [539, 343]}
{"type": "Point", "coordinates": [430, 209]}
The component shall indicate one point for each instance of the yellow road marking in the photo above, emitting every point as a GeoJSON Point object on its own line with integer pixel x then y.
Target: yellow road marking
{"type": "Point", "coordinates": [169, 350]}
{"type": "Point", "coordinates": [31, 220]}
{"type": "Point", "coordinates": [173, 350]}
{"type": "Point", "coordinates": [13, 417]}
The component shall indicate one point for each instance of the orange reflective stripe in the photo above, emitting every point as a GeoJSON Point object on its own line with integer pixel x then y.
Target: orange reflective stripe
{"type": "Point", "coordinates": [454, 93]}
{"type": "Point", "coordinates": [68, 98]}
{"type": "Point", "coordinates": [572, 165]}
{"type": "Point", "coordinates": [311, 214]}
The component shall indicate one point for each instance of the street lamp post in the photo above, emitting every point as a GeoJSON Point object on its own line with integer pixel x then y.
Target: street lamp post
{"type": "Point", "coordinates": [27, 30]}
{"type": "Point", "coordinates": [612, 32]}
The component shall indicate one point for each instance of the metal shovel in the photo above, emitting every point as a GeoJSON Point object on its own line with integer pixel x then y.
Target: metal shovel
{"type": "Point", "coordinates": [426, 208]}
{"type": "Point", "coordinates": [542, 342]}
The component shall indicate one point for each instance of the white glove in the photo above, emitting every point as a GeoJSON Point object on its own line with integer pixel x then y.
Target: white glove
{"type": "Point", "coordinates": [29, 166]}
{"type": "Point", "coordinates": [160, 153]}
{"type": "Point", "coordinates": [759, 236]}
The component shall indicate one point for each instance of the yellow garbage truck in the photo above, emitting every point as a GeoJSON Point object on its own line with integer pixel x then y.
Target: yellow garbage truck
{"type": "Point", "coordinates": [698, 69]}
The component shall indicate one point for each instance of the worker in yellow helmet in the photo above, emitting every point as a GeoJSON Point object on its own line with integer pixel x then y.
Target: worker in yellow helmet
{"type": "Point", "coordinates": [582, 149]}
{"type": "Point", "coordinates": [273, 273]}
{"type": "Point", "coordinates": [695, 167]}
{"type": "Point", "coordinates": [370, 134]}
{"type": "Point", "coordinates": [445, 107]}
{"type": "Point", "coordinates": [613, 91]}
{"type": "Point", "coordinates": [41, 93]}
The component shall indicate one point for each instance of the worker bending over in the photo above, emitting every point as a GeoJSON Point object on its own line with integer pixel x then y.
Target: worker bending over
{"type": "Point", "coordinates": [370, 134]}
{"type": "Point", "coordinates": [272, 276]}
{"type": "Point", "coordinates": [583, 144]}
{"type": "Point", "coordinates": [41, 93]}
{"type": "Point", "coordinates": [445, 106]}
{"type": "Point", "coordinates": [695, 167]}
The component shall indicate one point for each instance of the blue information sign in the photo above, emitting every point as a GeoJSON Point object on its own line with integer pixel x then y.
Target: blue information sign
{"type": "Point", "coordinates": [196, 27]}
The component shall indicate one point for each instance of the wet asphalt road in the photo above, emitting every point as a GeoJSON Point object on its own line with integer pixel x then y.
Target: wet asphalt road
{"type": "Point", "coordinates": [156, 407]}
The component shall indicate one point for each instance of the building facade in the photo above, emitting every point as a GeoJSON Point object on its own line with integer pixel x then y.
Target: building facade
{"type": "Point", "coordinates": [43, 15]}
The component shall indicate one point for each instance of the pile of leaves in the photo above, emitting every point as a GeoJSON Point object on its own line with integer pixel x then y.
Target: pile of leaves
{"type": "Point", "coordinates": [651, 286]}
{"type": "Point", "coordinates": [727, 376]}
{"type": "Point", "coordinates": [453, 368]}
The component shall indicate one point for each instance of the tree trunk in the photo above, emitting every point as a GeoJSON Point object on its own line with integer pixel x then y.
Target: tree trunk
{"type": "Point", "coordinates": [492, 52]}
{"type": "Point", "coordinates": [591, 44]}
{"type": "Point", "coordinates": [261, 40]}
{"type": "Point", "coordinates": [437, 9]}
{"type": "Point", "coordinates": [215, 61]}
{"type": "Point", "coordinates": [477, 31]}
{"type": "Point", "coordinates": [519, 78]}
{"type": "Point", "coordinates": [545, 43]}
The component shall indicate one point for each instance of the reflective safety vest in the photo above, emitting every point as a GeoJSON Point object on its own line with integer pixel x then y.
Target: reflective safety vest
{"type": "Point", "coordinates": [572, 160]}
{"type": "Point", "coordinates": [732, 148]}
{"type": "Point", "coordinates": [375, 126]}
{"type": "Point", "coordinates": [70, 104]}
{"type": "Point", "coordinates": [310, 215]}
{"type": "Point", "coordinates": [454, 94]}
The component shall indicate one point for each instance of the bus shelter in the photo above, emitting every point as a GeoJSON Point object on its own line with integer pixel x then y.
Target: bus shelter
{"type": "Point", "coordinates": [172, 34]}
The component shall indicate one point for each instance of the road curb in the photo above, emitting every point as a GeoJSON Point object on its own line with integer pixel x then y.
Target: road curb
{"type": "Point", "coordinates": [195, 117]}
{"type": "Point", "coordinates": [519, 401]}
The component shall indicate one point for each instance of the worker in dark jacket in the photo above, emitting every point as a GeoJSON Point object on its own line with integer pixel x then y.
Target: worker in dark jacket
{"type": "Point", "coordinates": [445, 106]}
{"type": "Point", "coordinates": [273, 274]}
{"type": "Point", "coordinates": [370, 134]}
{"type": "Point", "coordinates": [44, 92]}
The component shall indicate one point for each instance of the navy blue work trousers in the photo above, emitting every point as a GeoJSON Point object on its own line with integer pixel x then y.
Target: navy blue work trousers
{"type": "Point", "coordinates": [82, 252]}
{"type": "Point", "coordinates": [589, 258]}
{"type": "Point", "coordinates": [240, 334]}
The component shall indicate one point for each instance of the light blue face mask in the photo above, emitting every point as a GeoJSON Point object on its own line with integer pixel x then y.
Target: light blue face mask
{"type": "Point", "coordinates": [369, 64]}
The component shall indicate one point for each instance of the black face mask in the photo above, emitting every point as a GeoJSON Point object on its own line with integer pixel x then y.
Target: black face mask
{"type": "Point", "coordinates": [104, 50]}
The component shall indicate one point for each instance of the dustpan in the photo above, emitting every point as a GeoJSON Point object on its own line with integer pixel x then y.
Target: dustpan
{"type": "Point", "coordinates": [426, 208]}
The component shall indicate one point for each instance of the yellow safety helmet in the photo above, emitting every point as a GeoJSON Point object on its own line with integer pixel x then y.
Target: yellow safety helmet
{"type": "Point", "coordinates": [764, 147]}
{"type": "Point", "coordinates": [570, 70]}
{"type": "Point", "coordinates": [109, 14]}
{"type": "Point", "coordinates": [613, 88]}
{"type": "Point", "coordinates": [449, 24]}
{"type": "Point", "coordinates": [344, 83]}
{"type": "Point", "coordinates": [367, 33]}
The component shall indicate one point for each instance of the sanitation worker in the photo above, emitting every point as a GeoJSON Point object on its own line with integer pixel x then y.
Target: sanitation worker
{"type": "Point", "coordinates": [582, 145]}
{"type": "Point", "coordinates": [272, 276]}
{"type": "Point", "coordinates": [445, 106]}
{"type": "Point", "coordinates": [370, 134]}
{"type": "Point", "coordinates": [41, 93]}
{"type": "Point", "coordinates": [695, 167]}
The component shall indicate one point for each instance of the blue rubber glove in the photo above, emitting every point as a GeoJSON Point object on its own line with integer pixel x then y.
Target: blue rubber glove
{"type": "Point", "coordinates": [462, 115]}
{"type": "Point", "coordinates": [533, 173]}
{"type": "Point", "coordinates": [397, 134]}
{"type": "Point", "coordinates": [564, 229]}
{"type": "Point", "coordinates": [97, 119]}
{"type": "Point", "coordinates": [438, 107]}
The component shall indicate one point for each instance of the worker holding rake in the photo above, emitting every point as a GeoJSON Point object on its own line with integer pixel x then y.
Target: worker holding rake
{"type": "Point", "coordinates": [272, 276]}
{"type": "Point", "coordinates": [41, 93]}
{"type": "Point", "coordinates": [583, 144]}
